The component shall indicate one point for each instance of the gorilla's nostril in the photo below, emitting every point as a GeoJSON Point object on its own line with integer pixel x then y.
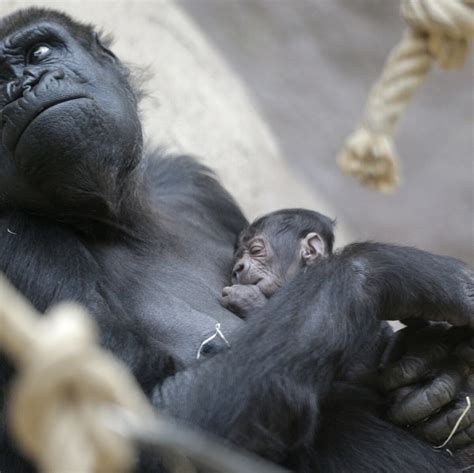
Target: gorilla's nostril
{"type": "Point", "coordinates": [59, 74]}
{"type": "Point", "coordinates": [13, 91]}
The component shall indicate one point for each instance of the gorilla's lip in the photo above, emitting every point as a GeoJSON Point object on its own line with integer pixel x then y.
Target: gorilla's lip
{"type": "Point", "coordinates": [248, 281]}
{"type": "Point", "coordinates": [41, 110]}
{"type": "Point", "coordinates": [12, 137]}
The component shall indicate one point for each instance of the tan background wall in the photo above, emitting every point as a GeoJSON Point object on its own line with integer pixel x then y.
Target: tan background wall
{"type": "Point", "coordinates": [308, 65]}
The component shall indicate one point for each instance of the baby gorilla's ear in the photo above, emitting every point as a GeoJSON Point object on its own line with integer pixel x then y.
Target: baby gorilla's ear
{"type": "Point", "coordinates": [312, 247]}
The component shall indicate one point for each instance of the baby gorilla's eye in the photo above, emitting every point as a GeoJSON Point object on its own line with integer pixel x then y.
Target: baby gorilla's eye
{"type": "Point", "coordinates": [38, 52]}
{"type": "Point", "coordinates": [256, 250]}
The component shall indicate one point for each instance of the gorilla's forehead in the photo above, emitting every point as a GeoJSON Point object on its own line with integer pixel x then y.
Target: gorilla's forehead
{"type": "Point", "coordinates": [26, 18]}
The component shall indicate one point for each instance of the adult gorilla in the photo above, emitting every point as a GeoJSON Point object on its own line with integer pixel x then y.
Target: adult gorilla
{"type": "Point", "coordinates": [146, 242]}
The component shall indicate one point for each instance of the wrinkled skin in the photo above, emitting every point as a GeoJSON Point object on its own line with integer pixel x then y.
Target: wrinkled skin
{"type": "Point", "coordinates": [257, 274]}
{"type": "Point", "coordinates": [51, 80]}
{"type": "Point", "coordinates": [243, 299]}
{"type": "Point", "coordinates": [258, 264]}
{"type": "Point", "coordinates": [264, 261]}
{"type": "Point", "coordinates": [87, 215]}
{"type": "Point", "coordinates": [430, 369]}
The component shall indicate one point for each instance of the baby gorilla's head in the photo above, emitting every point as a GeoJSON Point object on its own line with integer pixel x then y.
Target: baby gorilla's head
{"type": "Point", "coordinates": [271, 251]}
{"type": "Point", "coordinates": [274, 248]}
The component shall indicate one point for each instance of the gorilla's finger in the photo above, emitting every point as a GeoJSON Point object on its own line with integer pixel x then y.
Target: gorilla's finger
{"type": "Point", "coordinates": [465, 458]}
{"type": "Point", "coordinates": [226, 291]}
{"type": "Point", "coordinates": [395, 348]}
{"type": "Point", "coordinates": [403, 372]}
{"type": "Point", "coordinates": [463, 438]}
{"type": "Point", "coordinates": [465, 351]}
{"type": "Point", "coordinates": [427, 399]}
{"type": "Point", "coordinates": [412, 367]}
{"type": "Point", "coordinates": [225, 301]}
{"type": "Point", "coordinates": [438, 427]}
{"type": "Point", "coordinates": [470, 383]}
{"type": "Point", "coordinates": [399, 395]}
{"type": "Point", "coordinates": [458, 334]}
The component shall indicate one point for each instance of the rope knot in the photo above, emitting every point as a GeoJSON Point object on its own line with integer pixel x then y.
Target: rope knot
{"type": "Point", "coordinates": [440, 30]}
{"type": "Point", "coordinates": [370, 158]}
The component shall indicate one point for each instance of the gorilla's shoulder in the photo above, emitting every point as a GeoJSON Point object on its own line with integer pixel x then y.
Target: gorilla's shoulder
{"type": "Point", "coordinates": [182, 178]}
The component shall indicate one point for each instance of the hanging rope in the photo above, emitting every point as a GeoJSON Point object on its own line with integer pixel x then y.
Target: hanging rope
{"type": "Point", "coordinates": [65, 382]}
{"type": "Point", "coordinates": [74, 408]}
{"type": "Point", "coordinates": [440, 31]}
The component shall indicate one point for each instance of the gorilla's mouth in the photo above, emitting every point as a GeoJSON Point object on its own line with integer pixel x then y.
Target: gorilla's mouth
{"type": "Point", "coordinates": [15, 126]}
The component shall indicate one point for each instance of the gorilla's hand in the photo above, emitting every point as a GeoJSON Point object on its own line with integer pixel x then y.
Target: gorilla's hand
{"type": "Point", "coordinates": [242, 299]}
{"type": "Point", "coordinates": [429, 372]}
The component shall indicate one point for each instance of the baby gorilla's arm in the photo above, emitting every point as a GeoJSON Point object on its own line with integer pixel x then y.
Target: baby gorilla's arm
{"type": "Point", "coordinates": [242, 299]}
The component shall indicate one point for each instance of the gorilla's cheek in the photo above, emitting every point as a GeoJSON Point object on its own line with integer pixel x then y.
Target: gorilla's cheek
{"type": "Point", "coordinates": [54, 132]}
{"type": "Point", "coordinates": [269, 285]}
{"type": "Point", "coordinates": [73, 131]}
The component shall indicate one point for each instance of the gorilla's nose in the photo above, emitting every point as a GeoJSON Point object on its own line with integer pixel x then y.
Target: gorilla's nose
{"type": "Point", "coordinates": [239, 268]}
{"type": "Point", "coordinates": [13, 90]}
{"type": "Point", "coordinates": [30, 79]}
{"type": "Point", "coordinates": [16, 88]}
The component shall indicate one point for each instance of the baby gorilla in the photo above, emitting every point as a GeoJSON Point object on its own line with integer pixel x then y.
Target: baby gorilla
{"type": "Point", "coordinates": [272, 251]}
{"type": "Point", "coordinates": [295, 247]}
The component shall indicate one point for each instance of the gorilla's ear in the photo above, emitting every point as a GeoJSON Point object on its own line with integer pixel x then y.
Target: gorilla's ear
{"type": "Point", "coordinates": [102, 44]}
{"type": "Point", "coordinates": [311, 247]}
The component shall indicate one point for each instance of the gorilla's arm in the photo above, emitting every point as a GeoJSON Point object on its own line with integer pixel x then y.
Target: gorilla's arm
{"type": "Point", "coordinates": [285, 359]}
{"type": "Point", "coordinates": [408, 283]}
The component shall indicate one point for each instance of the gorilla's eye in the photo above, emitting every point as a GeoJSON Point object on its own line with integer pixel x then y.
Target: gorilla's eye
{"type": "Point", "coordinates": [38, 52]}
{"type": "Point", "coordinates": [256, 250]}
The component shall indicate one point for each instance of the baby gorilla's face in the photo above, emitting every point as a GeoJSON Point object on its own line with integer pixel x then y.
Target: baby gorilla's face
{"type": "Point", "coordinates": [256, 263]}
{"type": "Point", "coordinates": [263, 263]}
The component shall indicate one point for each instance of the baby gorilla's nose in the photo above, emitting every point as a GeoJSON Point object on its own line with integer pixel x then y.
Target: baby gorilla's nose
{"type": "Point", "coordinates": [238, 268]}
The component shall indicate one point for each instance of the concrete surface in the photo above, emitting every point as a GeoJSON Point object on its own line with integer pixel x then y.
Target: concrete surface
{"type": "Point", "coordinates": [196, 104]}
{"type": "Point", "coordinates": [308, 65]}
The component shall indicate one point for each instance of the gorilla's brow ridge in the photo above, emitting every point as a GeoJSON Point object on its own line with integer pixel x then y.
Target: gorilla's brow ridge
{"type": "Point", "coordinates": [27, 36]}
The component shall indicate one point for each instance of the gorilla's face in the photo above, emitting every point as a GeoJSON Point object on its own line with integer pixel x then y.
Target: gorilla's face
{"type": "Point", "coordinates": [67, 111]}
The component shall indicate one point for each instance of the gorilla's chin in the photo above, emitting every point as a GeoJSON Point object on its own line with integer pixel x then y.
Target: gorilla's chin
{"type": "Point", "coordinates": [64, 135]}
{"type": "Point", "coordinates": [74, 149]}
{"type": "Point", "coordinates": [53, 125]}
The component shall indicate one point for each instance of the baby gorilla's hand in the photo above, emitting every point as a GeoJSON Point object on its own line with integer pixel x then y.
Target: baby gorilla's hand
{"type": "Point", "coordinates": [242, 299]}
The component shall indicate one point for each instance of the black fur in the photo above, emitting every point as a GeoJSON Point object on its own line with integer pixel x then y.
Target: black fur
{"type": "Point", "coordinates": [145, 242]}
{"type": "Point", "coordinates": [294, 224]}
{"type": "Point", "coordinates": [298, 399]}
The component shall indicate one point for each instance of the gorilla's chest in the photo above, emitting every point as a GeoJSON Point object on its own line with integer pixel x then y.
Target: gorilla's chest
{"type": "Point", "coordinates": [178, 305]}
{"type": "Point", "coordinates": [169, 295]}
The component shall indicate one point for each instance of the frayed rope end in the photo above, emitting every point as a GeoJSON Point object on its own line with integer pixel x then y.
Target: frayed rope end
{"type": "Point", "coordinates": [371, 159]}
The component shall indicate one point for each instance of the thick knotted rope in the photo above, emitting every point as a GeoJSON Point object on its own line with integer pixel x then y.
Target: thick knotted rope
{"type": "Point", "coordinates": [440, 30]}
{"type": "Point", "coordinates": [65, 387]}
{"type": "Point", "coordinates": [74, 408]}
